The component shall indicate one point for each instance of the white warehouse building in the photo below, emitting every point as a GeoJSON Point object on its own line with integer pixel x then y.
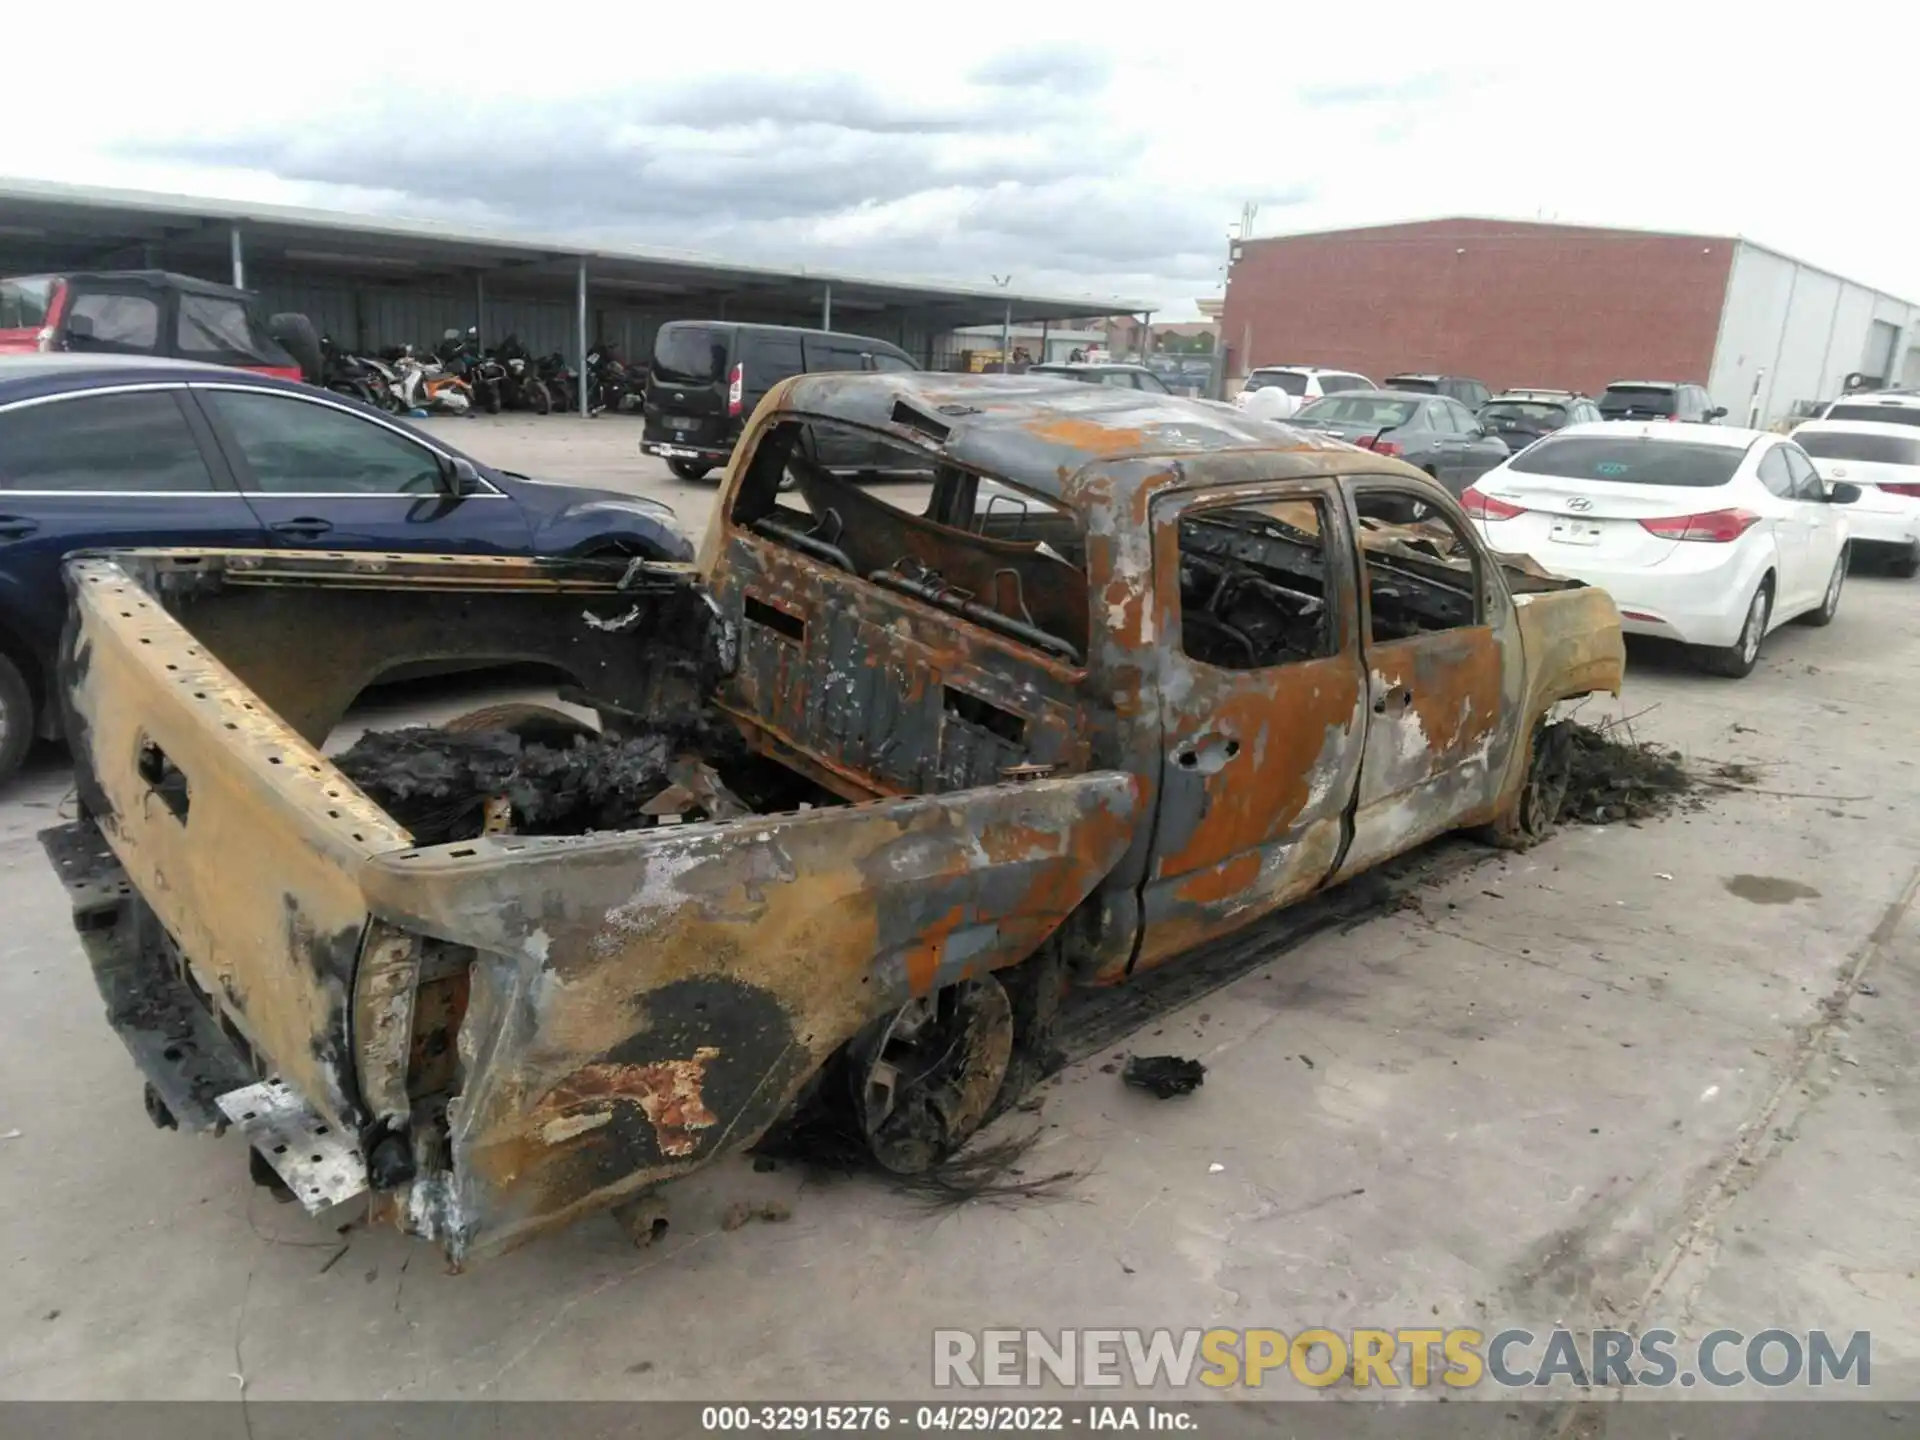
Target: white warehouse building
{"type": "Point", "coordinates": [1791, 334]}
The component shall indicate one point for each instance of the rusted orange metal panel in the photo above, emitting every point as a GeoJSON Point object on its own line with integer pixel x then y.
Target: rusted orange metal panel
{"type": "Point", "coordinates": [643, 1002]}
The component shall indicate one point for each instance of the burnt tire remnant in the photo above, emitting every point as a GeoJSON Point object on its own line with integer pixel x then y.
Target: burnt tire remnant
{"type": "Point", "coordinates": [926, 1077]}
{"type": "Point", "coordinates": [1543, 796]}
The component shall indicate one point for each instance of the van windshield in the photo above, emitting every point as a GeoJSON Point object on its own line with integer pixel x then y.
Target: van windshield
{"type": "Point", "coordinates": [689, 354]}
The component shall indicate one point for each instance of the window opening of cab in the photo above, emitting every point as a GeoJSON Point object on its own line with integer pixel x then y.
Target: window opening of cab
{"type": "Point", "coordinates": [1253, 585]}
{"type": "Point", "coordinates": [898, 517]}
{"type": "Point", "coordinates": [1422, 573]}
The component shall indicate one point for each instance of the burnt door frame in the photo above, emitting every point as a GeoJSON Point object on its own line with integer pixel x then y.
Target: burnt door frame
{"type": "Point", "coordinates": [1442, 707]}
{"type": "Point", "coordinates": [1256, 766]}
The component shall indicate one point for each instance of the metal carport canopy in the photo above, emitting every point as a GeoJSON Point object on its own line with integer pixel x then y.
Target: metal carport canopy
{"type": "Point", "coordinates": [47, 225]}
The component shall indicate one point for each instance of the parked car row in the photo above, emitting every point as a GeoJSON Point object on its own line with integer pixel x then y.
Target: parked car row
{"type": "Point", "coordinates": [1704, 533]}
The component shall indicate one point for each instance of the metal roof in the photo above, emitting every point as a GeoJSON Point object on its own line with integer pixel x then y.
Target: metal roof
{"type": "Point", "coordinates": [65, 220]}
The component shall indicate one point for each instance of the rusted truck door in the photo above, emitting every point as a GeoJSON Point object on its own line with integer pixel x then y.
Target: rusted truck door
{"type": "Point", "coordinates": [1443, 674]}
{"type": "Point", "coordinates": [1261, 705]}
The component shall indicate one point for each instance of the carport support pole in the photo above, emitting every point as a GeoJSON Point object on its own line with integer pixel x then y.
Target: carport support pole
{"type": "Point", "coordinates": [1045, 327]}
{"type": "Point", "coordinates": [580, 332]}
{"type": "Point", "coordinates": [479, 307]}
{"type": "Point", "coordinates": [826, 307]}
{"type": "Point", "coordinates": [239, 266]}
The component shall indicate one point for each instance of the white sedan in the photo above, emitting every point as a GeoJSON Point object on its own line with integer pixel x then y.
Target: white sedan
{"type": "Point", "coordinates": [1705, 534]}
{"type": "Point", "coordinates": [1883, 462]}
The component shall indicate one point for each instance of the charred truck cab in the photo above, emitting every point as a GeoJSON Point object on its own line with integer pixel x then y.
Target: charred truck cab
{"type": "Point", "coordinates": [982, 689]}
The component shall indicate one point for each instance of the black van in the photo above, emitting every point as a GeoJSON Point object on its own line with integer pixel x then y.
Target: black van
{"type": "Point", "coordinates": [709, 374]}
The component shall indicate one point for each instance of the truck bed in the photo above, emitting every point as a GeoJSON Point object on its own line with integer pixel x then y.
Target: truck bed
{"type": "Point", "coordinates": [503, 1030]}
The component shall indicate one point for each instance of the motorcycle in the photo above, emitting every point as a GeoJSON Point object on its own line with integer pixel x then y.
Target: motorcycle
{"type": "Point", "coordinates": [608, 383]}
{"type": "Point", "coordinates": [385, 383]}
{"type": "Point", "coordinates": [561, 382]}
{"type": "Point", "coordinates": [354, 375]}
{"type": "Point", "coordinates": [463, 358]}
{"type": "Point", "coordinates": [522, 388]}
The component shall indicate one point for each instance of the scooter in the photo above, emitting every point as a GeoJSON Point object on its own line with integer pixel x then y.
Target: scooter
{"type": "Point", "coordinates": [428, 386]}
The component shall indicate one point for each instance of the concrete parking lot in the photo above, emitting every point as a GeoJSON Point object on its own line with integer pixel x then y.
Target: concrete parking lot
{"type": "Point", "coordinates": [602, 451]}
{"type": "Point", "coordinates": [1644, 1075]}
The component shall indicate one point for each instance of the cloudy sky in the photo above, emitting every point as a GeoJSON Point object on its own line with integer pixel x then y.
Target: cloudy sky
{"type": "Point", "coordinates": [1105, 151]}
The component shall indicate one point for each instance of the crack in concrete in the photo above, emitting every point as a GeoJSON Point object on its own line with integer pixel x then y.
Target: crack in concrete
{"type": "Point", "coordinates": [1746, 1159]}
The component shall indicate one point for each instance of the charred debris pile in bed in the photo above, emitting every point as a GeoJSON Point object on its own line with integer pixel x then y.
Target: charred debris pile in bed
{"type": "Point", "coordinates": [446, 785]}
{"type": "Point", "coordinates": [1614, 777]}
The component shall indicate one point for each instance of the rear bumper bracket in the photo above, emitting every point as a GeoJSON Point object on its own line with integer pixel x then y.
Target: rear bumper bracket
{"type": "Point", "coordinates": [320, 1165]}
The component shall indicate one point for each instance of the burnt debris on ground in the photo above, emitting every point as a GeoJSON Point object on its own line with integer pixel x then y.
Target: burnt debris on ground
{"type": "Point", "coordinates": [1615, 777]}
{"type": "Point", "coordinates": [1164, 1076]}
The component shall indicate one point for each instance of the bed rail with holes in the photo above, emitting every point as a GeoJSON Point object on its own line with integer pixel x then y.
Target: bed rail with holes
{"type": "Point", "coordinates": [243, 839]}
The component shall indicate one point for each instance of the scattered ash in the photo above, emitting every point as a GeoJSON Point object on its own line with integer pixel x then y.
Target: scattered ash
{"type": "Point", "coordinates": [774, 1212]}
{"type": "Point", "coordinates": [829, 1143]}
{"type": "Point", "coordinates": [1615, 777]}
{"type": "Point", "coordinates": [437, 782]}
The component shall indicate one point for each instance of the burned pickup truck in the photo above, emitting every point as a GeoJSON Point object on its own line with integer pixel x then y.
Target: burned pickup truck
{"type": "Point", "coordinates": [982, 690]}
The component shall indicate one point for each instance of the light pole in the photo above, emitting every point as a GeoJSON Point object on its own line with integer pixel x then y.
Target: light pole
{"type": "Point", "coordinates": [1235, 235]}
{"type": "Point", "coordinates": [1006, 328]}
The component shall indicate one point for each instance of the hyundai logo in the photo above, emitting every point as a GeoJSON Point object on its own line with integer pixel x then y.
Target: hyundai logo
{"type": "Point", "coordinates": [1579, 502]}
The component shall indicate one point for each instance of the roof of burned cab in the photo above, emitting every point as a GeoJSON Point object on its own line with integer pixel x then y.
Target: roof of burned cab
{"type": "Point", "coordinates": [1039, 431]}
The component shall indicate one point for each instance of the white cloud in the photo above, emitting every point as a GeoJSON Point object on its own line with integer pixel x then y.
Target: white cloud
{"type": "Point", "coordinates": [1102, 150]}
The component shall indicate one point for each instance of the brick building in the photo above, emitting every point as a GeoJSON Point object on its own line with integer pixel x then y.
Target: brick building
{"type": "Point", "coordinates": [1522, 303]}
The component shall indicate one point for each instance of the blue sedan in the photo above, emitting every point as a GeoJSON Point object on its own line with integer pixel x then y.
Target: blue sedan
{"type": "Point", "coordinates": [106, 450]}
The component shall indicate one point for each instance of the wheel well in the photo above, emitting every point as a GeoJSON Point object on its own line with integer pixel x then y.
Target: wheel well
{"type": "Point", "coordinates": [18, 651]}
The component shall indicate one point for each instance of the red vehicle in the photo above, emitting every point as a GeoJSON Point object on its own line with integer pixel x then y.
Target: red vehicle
{"type": "Point", "coordinates": [153, 312]}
